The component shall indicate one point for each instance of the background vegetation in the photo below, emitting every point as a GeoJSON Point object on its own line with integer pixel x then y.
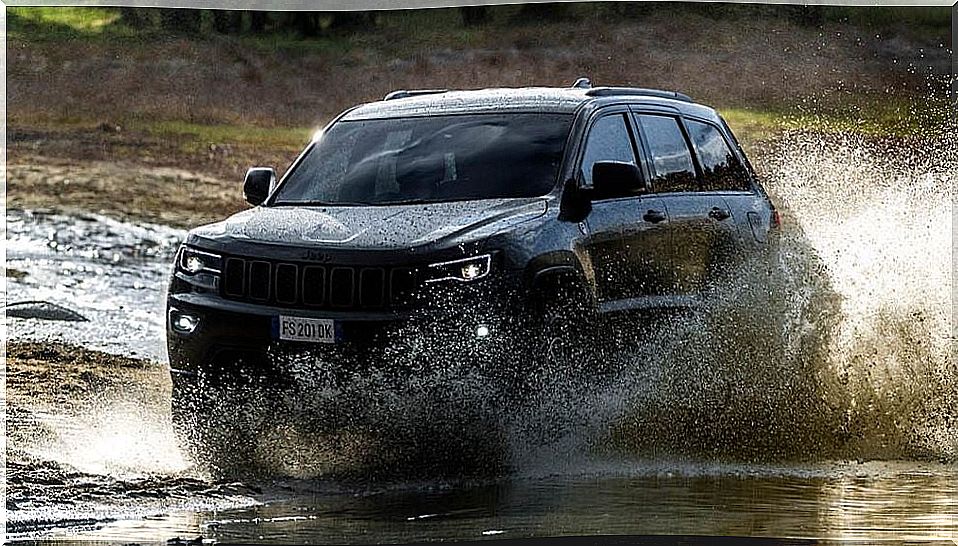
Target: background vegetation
{"type": "Point", "coordinates": [97, 97]}
{"type": "Point", "coordinates": [326, 24]}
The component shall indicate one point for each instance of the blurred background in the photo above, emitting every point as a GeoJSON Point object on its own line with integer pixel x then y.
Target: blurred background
{"type": "Point", "coordinates": [213, 91]}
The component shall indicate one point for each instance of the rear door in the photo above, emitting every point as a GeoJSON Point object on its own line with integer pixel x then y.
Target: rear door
{"type": "Point", "coordinates": [626, 244]}
{"type": "Point", "coordinates": [724, 172]}
{"type": "Point", "coordinates": [700, 221]}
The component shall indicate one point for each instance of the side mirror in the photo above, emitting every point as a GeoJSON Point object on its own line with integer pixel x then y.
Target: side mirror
{"type": "Point", "coordinates": [612, 179]}
{"type": "Point", "coordinates": [257, 185]}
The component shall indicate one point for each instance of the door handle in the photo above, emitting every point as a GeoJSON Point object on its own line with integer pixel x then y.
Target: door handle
{"type": "Point", "coordinates": [653, 216]}
{"type": "Point", "coordinates": [719, 214]}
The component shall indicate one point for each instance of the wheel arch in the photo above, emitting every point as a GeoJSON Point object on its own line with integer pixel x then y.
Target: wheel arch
{"type": "Point", "coordinates": [559, 273]}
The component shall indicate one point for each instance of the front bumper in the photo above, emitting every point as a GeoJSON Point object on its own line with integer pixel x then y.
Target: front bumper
{"type": "Point", "coordinates": [465, 317]}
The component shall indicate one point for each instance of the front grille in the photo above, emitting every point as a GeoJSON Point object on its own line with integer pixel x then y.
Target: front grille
{"type": "Point", "coordinates": [290, 284]}
{"type": "Point", "coordinates": [341, 286]}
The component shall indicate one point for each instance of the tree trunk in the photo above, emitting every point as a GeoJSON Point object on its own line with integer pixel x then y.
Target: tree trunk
{"type": "Point", "coordinates": [227, 21]}
{"type": "Point", "coordinates": [809, 16]}
{"type": "Point", "coordinates": [182, 20]}
{"type": "Point", "coordinates": [352, 20]}
{"type": "Point", "coordinates": [257, 21]}
{"type": "Point", "coordinates": [474, 15]}
{"type": "Point", "coordinates": [541, 12]}
{"type": "Point", "coordinates": [133, 17]}
{"type": "Point", "coordinates": [306, 23]}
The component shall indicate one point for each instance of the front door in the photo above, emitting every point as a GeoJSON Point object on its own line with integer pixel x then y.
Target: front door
{"type": "Point", "coordinates": [627, 234]}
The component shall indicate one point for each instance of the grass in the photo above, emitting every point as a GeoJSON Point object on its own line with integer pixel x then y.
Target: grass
{"type": "Point", "coordinates": [87, 20]}
{"type": "Point", "coordinates": [64, 23]}
{"type": "Point", "coordinates": [194, 136]}
{"type": "Point", "coordinates": [241, 115]}
{"type": "Point", "coordinates": [920, 21]}
{"type": "Point", "coordinates": [752, 126]}
{"type": "Point", "coordinates": [868, 116]}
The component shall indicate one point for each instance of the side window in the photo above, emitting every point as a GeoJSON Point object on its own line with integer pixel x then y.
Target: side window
{"type": "Point", "coordinates": [721, 170]}
{"type": "Point", "coordinates": [609, 140]}
{"type": "Point", "coordinates": [671, 159]}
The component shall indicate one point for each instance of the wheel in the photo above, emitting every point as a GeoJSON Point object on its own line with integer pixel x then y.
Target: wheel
{"type": "Point", "coordinates": [559, 336]}
{"type": "Point", "coordinates": [218, 423]}
{"type": "Point", "coordinates": [563, 327]}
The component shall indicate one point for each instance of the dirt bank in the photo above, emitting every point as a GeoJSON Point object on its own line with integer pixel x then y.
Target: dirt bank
{"type": "Point", "coordinates": [220, 80]}
{"type": "Point", "coordinates": [89, 441]}
{"type": "Point", "coordinates": [124, 190]}
{"type": "Point", "coordinates": [218, 105]}
{"type": "Point", "coordinates": [51, 387]}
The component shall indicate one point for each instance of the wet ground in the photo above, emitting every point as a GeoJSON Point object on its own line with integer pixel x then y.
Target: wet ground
{"type": "Point", "coordinates": [112, 274]}
{"type": "Point", "coordinates": [845, 429]}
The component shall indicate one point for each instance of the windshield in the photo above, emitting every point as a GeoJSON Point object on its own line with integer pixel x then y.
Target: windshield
{"type": "Point", "coordinates": [430, 159]}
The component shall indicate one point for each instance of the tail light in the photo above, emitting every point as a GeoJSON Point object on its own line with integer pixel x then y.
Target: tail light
{"type": "Point", "coordinates": [776, 220]}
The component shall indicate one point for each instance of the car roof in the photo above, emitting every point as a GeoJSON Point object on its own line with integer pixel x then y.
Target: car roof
{"type": "Point", "coordinates": [565, 100]}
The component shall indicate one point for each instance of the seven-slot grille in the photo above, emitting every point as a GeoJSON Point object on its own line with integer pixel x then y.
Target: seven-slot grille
{"type": "Point", "coordinates": [318, 286]}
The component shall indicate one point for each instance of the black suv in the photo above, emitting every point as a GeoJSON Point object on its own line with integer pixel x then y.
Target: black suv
{"type": "Point", "coordinates": [478, 212]}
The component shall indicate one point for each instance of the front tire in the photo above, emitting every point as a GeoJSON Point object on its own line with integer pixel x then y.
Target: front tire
{"type": "Point", "coordinates": [218, 422]}
{"type": "Point", "coordinates": [563, 328]}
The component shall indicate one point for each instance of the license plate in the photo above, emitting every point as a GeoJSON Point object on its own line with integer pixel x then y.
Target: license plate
{"type": "Point", "coordinates": [311, 330]}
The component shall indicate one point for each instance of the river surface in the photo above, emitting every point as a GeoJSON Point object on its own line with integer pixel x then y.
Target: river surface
{"type": "Point", "coordinates": [845, 501]}
{"type": "Point", "coordinates": [834, 416]}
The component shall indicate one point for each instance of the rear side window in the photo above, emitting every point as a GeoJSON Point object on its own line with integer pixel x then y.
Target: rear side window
{"type": "Point", "coordinates": [671, 159]}
{"type": "Point", "coordinates": [721, 170]}
{"type": "Point", "coordinates": [609, 140]}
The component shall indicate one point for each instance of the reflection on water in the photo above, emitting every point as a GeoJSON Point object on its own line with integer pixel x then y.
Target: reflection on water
{"type": "Point", "coordinates": [888, 500]}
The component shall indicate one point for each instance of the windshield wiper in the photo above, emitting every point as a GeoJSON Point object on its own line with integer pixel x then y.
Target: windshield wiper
{"type": "Point", "coordinates": [316, 203]}
{"type": "Point", "coordinates": [407, 202]}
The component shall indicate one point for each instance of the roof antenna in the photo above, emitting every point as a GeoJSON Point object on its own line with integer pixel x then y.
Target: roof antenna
{"type": "Point", "coordinates": [582, 83]}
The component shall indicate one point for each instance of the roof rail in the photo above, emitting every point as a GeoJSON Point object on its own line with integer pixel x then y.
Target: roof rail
{"type": "Point", "coordinates": [404, 93]}
{"type": "Point", "coordinates": [582, 83]}
{"type": "Point", "coordinates": [637, 91]}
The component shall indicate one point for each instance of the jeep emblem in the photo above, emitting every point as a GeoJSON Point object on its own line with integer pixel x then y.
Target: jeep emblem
{"type": "Point", "coordinates": [317, 256]}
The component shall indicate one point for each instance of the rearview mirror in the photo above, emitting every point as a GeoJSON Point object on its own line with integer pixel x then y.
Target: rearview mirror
{"type": "Point", "coordinates": [257, 185]}
{"type": "Point", "coordinates": [611, 179]}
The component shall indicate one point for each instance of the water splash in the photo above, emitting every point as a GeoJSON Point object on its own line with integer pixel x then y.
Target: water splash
{"type": "Point", "coordinates": [879, 214]}
{"type": "Point", "coordinates": [842, 347]}
{"type": "Point", "coordinates": [118, 438]}
{"type": "Point", "coordinates": [845, 348]}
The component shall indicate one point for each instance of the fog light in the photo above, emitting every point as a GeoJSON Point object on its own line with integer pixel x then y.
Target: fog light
{"type": "Point", "coordinates": [185, 324]}
{"type": "Point", "coordinates": [194, 264]}
{"type": "Point", "coordinates": [482, 331]}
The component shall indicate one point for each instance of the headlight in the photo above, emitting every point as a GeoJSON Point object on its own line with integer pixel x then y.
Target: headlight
{"type": "Point", "coordinates": [193, 261]}
{"type": "Point", "coordinates": [464, 270]}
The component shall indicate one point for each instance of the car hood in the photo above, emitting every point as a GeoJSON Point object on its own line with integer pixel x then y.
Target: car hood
{"type": "Point", "coordinates": [374, 227]}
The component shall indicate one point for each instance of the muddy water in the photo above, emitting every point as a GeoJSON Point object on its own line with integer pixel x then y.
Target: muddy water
{"type": "Point", "coordinates": [839, 501]}
{"type": "Point", "coordinates": [826, 407]}
{"type": "Point", "coordinates": [112, 273]}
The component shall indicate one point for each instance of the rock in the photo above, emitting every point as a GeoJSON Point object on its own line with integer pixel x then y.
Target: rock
{"type": "Point", "coordinates": [43, 310]}
{"type": "Point", "coordinates": [16, 274]}
{"type": "Point", "coordinates": [108, 127]}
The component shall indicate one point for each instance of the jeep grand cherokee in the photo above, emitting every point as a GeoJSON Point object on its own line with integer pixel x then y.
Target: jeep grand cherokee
{"type": "Point", "coordinates": [468, 208]}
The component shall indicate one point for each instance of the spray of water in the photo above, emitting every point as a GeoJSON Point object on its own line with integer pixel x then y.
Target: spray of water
{"type": "Point", "coordinates": [879, 215]}
{"type": "Point", "coordinates": [119, 438]}
{"type": "Point", "coordinates": [844, 347]}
